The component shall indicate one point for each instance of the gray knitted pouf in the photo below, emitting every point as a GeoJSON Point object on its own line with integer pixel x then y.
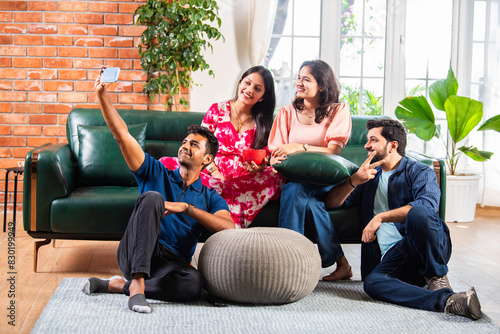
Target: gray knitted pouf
{"type": "Point", "coordinates": [259, 265]}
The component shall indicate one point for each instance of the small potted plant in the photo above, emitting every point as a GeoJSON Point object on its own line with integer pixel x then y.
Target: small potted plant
{"type": "Point", "coordinates": [463, 114]}
{"type": "Point", "coordinates": [171, 47]}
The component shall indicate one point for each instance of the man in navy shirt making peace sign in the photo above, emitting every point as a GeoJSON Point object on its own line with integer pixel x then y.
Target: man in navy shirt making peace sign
{"type": "Point", "coordinates": [406, 245]}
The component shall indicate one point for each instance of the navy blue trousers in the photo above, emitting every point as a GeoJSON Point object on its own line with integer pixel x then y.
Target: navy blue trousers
{"type": "Point", "coordinates": [168, 276]}
{"type": "Point", "coordinates": [302, 209]}
{"type": "Point", "coordinates": [423, 252]}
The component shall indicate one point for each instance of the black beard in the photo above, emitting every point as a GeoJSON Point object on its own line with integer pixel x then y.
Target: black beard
{"type": "Point", "coordinates": [378, 157]}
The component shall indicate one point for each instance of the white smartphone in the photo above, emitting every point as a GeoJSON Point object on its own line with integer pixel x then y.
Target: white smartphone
{"type": "Point", "coordinates": [110, 74]}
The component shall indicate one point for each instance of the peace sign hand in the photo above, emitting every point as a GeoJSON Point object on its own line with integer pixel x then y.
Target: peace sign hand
{"type": "Point", "coordinates": [366, 171]}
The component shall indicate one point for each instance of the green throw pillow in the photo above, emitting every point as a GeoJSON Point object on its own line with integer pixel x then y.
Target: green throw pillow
{"type": "Point", "coordinates": [316, 168]}
{"type": "Point", "coordinates": [100, 160]}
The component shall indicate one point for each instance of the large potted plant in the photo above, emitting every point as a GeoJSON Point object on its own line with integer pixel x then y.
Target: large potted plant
{"type": "Point", "coordinates": [463, 114]}
{"type": "Point", "coordinates": [171, 47]}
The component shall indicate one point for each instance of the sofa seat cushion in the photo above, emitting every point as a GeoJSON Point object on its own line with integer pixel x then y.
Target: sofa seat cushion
{"type": "Point", "coordinates": [85, 210]}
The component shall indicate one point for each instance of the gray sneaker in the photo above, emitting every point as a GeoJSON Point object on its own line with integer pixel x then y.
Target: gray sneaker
{"type": "Point", "coordinates": [438, 282]}
{"type": "Point", "coordinates": [465, 304]}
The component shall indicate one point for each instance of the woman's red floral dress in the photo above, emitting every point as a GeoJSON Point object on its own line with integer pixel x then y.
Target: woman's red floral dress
{"type": "Point", "coordinates": [245, 193]}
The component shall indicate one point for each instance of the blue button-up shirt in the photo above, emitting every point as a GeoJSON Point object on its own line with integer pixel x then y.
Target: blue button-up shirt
{"type": "Point", "coordinates": [179, 232]}
{"type": "Point", "coordinates": [413, 183]}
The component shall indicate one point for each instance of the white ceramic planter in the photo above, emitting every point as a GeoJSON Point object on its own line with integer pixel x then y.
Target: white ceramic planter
{"type": "Point", "coordinates": [461, 197]}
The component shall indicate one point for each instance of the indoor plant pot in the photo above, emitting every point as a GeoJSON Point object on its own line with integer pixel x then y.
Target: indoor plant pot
{"type": "Point", "coordinates": [461, 195]}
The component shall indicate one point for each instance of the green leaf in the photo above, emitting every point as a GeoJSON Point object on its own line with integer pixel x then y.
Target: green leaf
{"type": "Point", "coordinates": [183, 102]}
{"type": "Point", "coordinates": [417, 116]}
{"type": "Point", "coordinates": [475, 154]}
{"type": "Point", "coordinates": [176, 35]}
{"type": "Point", "coordinates": [462, 114]}
{"type": "Point", "coordinates": [442, 89]}
{"type": "Point", "coordinates": [491, 124]}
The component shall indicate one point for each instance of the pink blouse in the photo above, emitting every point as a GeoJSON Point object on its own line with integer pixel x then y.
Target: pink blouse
{"type": "Point", "coordinates": [287, 129]}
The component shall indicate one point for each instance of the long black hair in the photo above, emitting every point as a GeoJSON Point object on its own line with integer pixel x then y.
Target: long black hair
{"type": "Point", "coordinates": [330, 89]}
{"type": "Point", "coordinates": [262, 112]}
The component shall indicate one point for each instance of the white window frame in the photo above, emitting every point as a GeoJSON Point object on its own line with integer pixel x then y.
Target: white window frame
{"type": "Point", "coordinates": [394, 87]}
{"type": "Point", "coordinates": [394, 50]}
{"type": "Point", "coordinates": [293, 36]}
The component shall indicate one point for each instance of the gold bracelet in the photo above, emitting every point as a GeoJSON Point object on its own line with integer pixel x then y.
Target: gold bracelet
{"type": "Point", "coordinates": [350, 182]}
{"type": "Point", "coordinates": [189, 209]}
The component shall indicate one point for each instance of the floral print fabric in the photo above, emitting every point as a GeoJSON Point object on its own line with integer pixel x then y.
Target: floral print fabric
{"type": "Point", "coordinates": [245, 193]}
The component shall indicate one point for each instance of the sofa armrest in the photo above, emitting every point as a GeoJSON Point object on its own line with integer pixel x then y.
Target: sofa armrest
{"type": "Point", "coordinates": [49, 174]}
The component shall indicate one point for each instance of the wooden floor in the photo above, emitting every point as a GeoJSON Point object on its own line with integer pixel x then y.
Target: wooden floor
{"type": "Point", "coordinates": [475, 262]}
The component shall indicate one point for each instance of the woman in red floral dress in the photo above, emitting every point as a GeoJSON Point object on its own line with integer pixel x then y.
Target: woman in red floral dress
{"type": "Point", "coordinates": [242, 123]}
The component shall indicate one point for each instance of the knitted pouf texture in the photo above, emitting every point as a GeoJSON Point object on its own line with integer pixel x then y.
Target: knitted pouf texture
{"type": "Point", "coordinates": [259, 265]}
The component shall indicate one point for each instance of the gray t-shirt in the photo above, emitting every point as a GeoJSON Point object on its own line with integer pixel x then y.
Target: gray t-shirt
{"type": "Point", "coordinates": [387, 234]}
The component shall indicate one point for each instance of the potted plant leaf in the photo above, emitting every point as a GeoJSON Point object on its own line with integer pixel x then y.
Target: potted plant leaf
{"type": "Point", "coordinates": [171, 47]}
{"type": "Point", "coordinates": [463, 115]}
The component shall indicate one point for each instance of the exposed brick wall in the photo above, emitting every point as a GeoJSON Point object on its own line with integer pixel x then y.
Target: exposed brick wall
{"type": "Point", "coordinates": [50, 55]}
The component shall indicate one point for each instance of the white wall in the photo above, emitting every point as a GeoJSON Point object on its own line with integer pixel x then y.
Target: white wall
{"type": "Point", "coordinates": [230, 58]}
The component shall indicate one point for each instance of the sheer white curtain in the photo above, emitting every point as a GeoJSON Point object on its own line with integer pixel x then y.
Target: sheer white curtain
{"type": "Point", "coordinates": [491, 190]}
{"type": "Point", "coordinates": [260, 27]}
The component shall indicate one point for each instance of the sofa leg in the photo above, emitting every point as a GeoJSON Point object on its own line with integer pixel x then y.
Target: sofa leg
{"type": "Point", "coordinates": [37, 245]}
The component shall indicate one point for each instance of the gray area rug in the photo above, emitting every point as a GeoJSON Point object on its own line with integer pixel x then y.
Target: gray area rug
{"type": "Point", "coordinates": [340, 307]}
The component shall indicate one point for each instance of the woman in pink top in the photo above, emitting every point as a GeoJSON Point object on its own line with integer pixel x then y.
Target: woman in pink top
{"type": "Point", "coordinates": [242, 123]}
{"type": "Point", "coordinates": [315, 122]}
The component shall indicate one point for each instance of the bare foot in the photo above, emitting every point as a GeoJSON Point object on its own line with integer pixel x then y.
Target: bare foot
{"type": "Point", "coordinates": [342, 272]}
{"type": "Point", "coordinates": [137, 285]}
{"type": "Point", "coordinates": [116, 285]}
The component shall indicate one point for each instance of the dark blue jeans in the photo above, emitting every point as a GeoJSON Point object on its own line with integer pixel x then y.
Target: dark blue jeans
{"type": "Point", "coordinates": [302, 209]}
{"type": "Point", "coordinates": [168, 276]}
{"type": "Point", "coordinates": [423, 252]}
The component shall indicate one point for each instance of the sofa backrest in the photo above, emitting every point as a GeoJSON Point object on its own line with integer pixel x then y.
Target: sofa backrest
{"type": "Point", "coordinates": [164, 134]}
{"type": "Point", "coordinates": [355, 148]}
{"type": "Point", "coordinates": [166, 130]}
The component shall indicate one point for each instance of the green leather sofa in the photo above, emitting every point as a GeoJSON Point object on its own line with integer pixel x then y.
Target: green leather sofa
{"type": "Point", "coordinates": [65, 198]}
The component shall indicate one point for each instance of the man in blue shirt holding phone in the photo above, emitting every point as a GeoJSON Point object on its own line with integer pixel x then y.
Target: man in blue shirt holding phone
{"type": "Point", "coordinates": [174, 208]}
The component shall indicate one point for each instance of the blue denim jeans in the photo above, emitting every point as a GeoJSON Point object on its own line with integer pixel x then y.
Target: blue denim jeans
{"type": "Point", "coordinates": [302, 209]}
{"type": "Point", "coordinates": [423, 252]}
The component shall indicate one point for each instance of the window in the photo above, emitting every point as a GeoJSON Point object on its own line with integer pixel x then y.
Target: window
{"type": "Point", "coordinates": [427, 57]}
{"type": "Point", "coordinates": [362, 55]}
{"type": "Point", "coordinates": [477, 70]}
{"type": "Point", "coordinates": [478, 49]}
{"type": "Point", "coordinates": [298, 36]}
{"type": "Point", "coordinates": [295, 39]}
{"type": "Point", "coordinates": [386, 49]}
